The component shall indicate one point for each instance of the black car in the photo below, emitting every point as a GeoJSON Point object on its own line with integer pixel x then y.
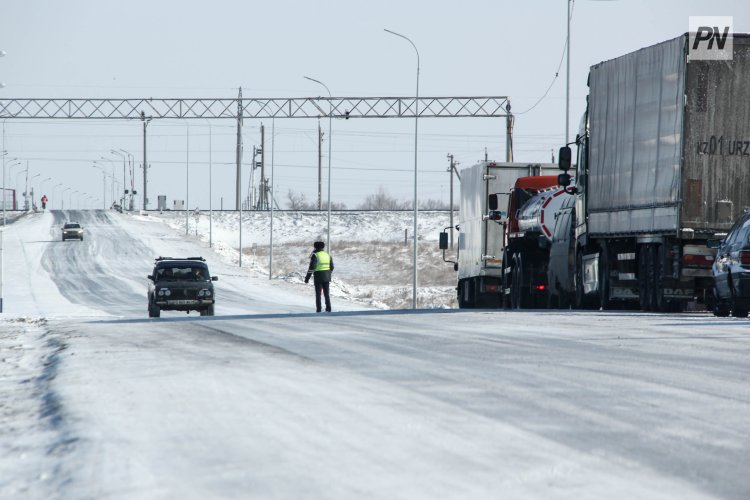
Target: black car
{"type": "Point", "coordinates": [181, 285]}
{"type": "Point", "coordinates": [731, 270]}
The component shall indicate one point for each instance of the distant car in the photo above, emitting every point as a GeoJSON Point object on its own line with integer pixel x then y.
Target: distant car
{"type": "Point", "coordinates": [181, 285]}
{"type": "Point", "coordinates": [72, 231]}
{"type": "Point", "coordinates": [731, 270]}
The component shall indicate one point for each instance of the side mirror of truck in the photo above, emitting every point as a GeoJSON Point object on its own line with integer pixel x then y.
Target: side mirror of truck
{"type": "Point", "coordinates": [443, 241]}
{"type": "Point", "coordinates": [151, 277]}
{"type": "Point", "coordinates": [492, 202]}
{"type": "Point", "coordinates": [563, 179]}
{"type": "Point", "coordinates": [564, 158]}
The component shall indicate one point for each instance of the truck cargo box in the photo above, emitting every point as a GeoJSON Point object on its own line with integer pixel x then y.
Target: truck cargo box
{"type": "Point", "coordinates": [669, 141]}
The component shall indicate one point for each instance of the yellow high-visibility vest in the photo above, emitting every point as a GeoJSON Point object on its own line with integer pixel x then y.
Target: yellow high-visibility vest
{"type": "Point", "coordinates": [323, 262]}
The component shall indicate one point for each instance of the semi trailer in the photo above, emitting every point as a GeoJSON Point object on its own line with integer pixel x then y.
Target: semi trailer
{"type": "Point", "coordinates": [663, 165]}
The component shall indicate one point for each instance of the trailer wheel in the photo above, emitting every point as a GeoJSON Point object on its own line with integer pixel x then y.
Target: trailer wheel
{"type": "Point", "coordinates": [504, 285]}
{"type": "Point", "coordinates": [460, 295]}
{"type": "Point", "coordinates": [604, 279]}
{"type": "Point", "coordinates": [581, 300]}
{"type": "Point", "coordinates": [465, 295]}
{"type": "Point", "coordinates": [645, 277]}
{"type": "Point", "coordinates": [661, 303]}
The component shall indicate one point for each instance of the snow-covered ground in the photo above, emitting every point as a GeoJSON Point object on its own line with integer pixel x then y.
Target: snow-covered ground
{"type": "Point", "coordinates": [372, 251]}
{"type": "Point", "coordinates": [270, 400]}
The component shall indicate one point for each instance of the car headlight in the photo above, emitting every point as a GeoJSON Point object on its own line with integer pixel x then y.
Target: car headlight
{"type": "Point", "coordinates": [167, 292]}
{"type": "Point", "coordinates": [161, 293]}
{"type": "Point", "coordinates": [164, 291]}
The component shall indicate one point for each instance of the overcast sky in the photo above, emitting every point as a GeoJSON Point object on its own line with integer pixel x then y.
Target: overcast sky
{"type": "Point", "coordinates": [134, 49]}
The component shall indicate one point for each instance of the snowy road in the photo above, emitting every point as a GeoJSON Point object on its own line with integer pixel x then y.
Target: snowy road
{"type": "Point", "coordinates": [266, 400]}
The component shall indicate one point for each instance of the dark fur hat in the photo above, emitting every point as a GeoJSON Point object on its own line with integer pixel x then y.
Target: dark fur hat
{"type": "Point", "coordinates": [319, 245]}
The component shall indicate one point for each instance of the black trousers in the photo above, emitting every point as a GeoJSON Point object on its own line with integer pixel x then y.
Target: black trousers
{"type": "Point", "coordinates": [321, 287]}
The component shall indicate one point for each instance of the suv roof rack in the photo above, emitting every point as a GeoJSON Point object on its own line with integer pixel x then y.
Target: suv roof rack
{"type": "Point", "coordinates": [184, 258]}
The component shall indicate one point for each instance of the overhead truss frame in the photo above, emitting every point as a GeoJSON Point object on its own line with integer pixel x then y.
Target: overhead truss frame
{"type": "Point", "coordinates": [262, 108]}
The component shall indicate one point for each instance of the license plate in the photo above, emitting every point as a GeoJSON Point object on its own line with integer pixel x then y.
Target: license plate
{"type": "Point", "coordinates": [182, 302]}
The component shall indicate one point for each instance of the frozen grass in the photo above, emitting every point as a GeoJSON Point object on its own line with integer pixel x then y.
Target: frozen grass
{"type": "Point", "coordinates": [372, 254]}
{"type": "Point", "coordinates": [378, 273]}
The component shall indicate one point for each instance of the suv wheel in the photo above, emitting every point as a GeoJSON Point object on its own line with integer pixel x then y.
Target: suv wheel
{"type": "Point", "coordinates": [153, 311]}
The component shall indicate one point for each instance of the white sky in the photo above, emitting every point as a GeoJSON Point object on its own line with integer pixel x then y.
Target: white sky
{"type": "Point", "coordinates": [77, 49]}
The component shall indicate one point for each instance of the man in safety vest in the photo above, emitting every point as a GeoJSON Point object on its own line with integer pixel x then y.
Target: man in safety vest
{"type": "Point", "coordinates": [321, 265]}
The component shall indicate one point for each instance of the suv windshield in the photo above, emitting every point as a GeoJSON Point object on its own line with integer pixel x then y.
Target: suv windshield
{"type": "Point", "coordinates": [72, 226]}
{"type": "Point", "coordinates": [180, 273]}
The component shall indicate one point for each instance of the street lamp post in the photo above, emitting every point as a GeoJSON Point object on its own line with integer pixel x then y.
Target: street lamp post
{"type": "Point", "coordinates": [112, 164]}
{"type": "Point", "coordinates": [416, 208]}
{"type": "Point", "coordinates": [132, 180]}
{"type": "Point", "coordinates": [210, 186]}
{"type": "Point", "coordinates": [70, 198]}
{"type": "Point", "coordinates": [16, 162]}
{"type": "Point", "coordinates": [567, 79]}
{"type": "Point", "coordinates": [62, 198]}
{"type": "Point", "coordinates": [187, 180]}
{"type": "Point", "coordinates": [124, 158]}
{"type": "Point", "coordinates": [54, 189]}
{"type": "Point", "coordinates": [28, 195]}
{"type": "Point", "coordinates": [330, 119]}
{"type": "Point", "coordinates": [104, 186]}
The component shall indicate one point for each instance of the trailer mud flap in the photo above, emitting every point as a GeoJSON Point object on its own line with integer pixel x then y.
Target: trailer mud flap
{"type": "Point", "coordinates": [590, 273]}
{"type": "Point", "coordinates": [679, 292]}
{"type": "Point", "coordinates": [623, 290]}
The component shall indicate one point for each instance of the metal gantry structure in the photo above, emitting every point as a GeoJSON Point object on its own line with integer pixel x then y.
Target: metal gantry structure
{"type": "Point", "coordinates": [240, 108]}
{"type": "Point", "coordinates": [303, 107]}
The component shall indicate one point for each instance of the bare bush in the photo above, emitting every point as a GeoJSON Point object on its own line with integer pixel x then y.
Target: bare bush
{"type": "Point", "coordinates": [383, 201]}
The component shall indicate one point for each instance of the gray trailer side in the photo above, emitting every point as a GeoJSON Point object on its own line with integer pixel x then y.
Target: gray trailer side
{"type": "Point", "coordinates": [669, 141]}
{"type": "Point", "coordinates": [662, 168]}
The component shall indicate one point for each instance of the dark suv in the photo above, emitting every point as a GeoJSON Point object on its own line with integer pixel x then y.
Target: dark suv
{"type": "Point", "coordinates": [181, 285]}
{"type": "Point", "coordinates": [731, 270]}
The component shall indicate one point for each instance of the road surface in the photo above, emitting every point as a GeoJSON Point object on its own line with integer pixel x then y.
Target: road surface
{"type": "Point", "coordinates": [268, 400]}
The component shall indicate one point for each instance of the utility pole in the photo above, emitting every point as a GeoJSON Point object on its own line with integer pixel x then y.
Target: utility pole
{"type": "Point", "coordinates": [262, 201]}
{"type": "Point", "coordinates": [320, 167]}
{"type": "Point", "coordinates": [145, 165]}
{"type": "Point", "coordinates": [263, 188]}
{"type": "Point", "coordinates": [508, 134]}
{"type": "Point", "coordinates": [450, 207]}
{"type": "Point", "coordinates": [238, 200]}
